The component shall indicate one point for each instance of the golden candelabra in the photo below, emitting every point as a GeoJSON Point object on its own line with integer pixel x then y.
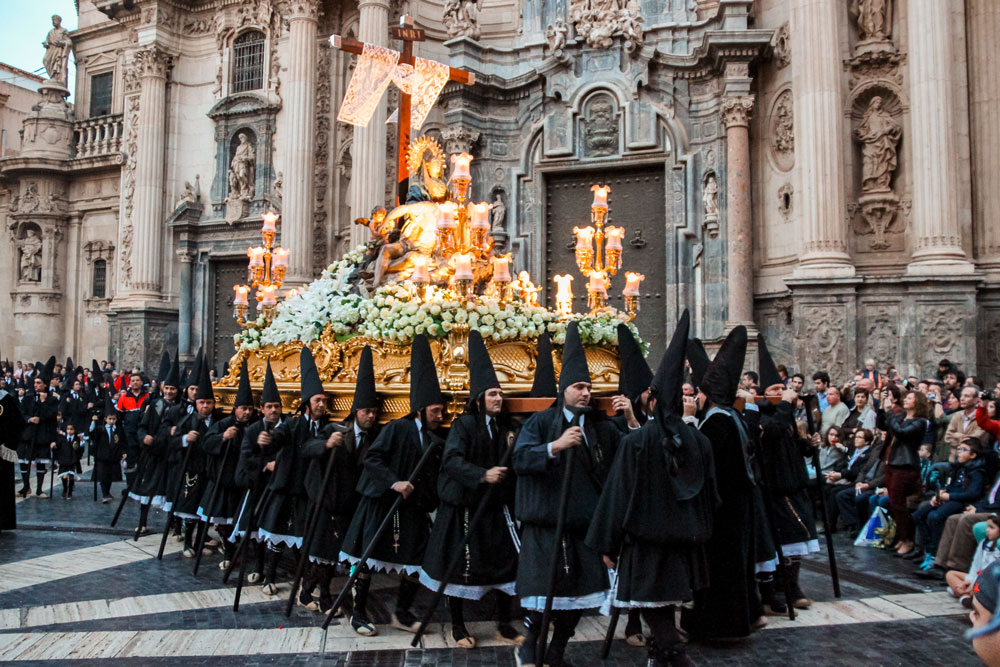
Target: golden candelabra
{"type": "Point", "coordinates": [265, 272]}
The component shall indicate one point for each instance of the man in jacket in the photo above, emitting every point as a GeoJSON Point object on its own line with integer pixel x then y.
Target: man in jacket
{"type": "Point", "coordinates": [963, 423]}
{"type": "Point", "coordinates": [862, 476]}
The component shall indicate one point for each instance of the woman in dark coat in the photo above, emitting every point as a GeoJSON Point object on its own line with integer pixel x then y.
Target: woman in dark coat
{"type": "Point", "coordinates": [906, 425]}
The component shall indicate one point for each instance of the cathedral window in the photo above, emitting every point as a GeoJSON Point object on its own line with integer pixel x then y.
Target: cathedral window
{"type": "Point", "coordinates": [101, 86]}
{"type": "Point", "coordinates": [248, 61]}
{"type": "Point", "coordinates": [100, 278]}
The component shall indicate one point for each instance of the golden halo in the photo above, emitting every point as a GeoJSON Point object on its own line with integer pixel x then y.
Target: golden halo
{"type": "Point", "coordinates": [415, 154]}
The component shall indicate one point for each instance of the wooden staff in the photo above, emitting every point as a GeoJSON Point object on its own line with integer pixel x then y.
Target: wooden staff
{"type": "Point", "coordinates": [203, 533]}
{"type": "Point", "coordinates": [554, 569]}
{"type": "Point", "coordinates": [831, 556]}
{"type": "Point", "coordinates": [175, 499]}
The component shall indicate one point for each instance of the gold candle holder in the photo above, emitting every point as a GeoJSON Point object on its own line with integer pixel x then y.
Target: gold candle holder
{"type": "Point", "coordinates": [240, 313]}
{"type": "Point", "coordinates": [631, 307]}
{"type": "Point", "coordinates": [596, 299]}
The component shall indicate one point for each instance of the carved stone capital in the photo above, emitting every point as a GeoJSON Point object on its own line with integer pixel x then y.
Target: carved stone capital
{"type": "Point", "coordinates": [186, 255]}
{"type": "Point", "coordinates": [459, 139]}
{"type": "Point", "coordinates": [302, 9]}
{"type": "Point", "coordinates": [736, 111]}
{"type": "Point", "coordinates": [152, 62]}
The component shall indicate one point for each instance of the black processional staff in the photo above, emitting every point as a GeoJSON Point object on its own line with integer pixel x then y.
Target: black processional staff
{"type": "Point", "coordinates": [456, 556]}
{"type": "Point", "coordinates": [312, 521]}
{"type": "Point", "coordinates": [378, 534]}
{"type": "Point", "coordinates": [811, 423]}
{"type": "Point", "coordinates": [543, 631]}
{"type": "Point", "coordinates": [244, 547]}
{"type": "Point", "coordinates": [203, 533]}
{"type": "Point", "coordinates": [175, 498]}
{"type": "Point", "coordinates": [52, 468]}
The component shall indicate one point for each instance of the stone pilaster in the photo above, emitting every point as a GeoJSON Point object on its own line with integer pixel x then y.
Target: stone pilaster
{"type": "Point", "coordinates": [368, 148]}
{"type": "Point", "coordinates": [186, 257]}
{"type": "Point", "coordinates": [147, 221]}
{"type": "Point", "coordinates": [739, 230]}
{"type": "Point", "coordinates": [300, 101]}
{"type": "Point", "coordinates": [983, 25]}
{"type": "Point", "coordinates": [74, 277]}
{"type": "Point", "coordinates": [937, 236]}
{"type": "Point", "coordinates": [819, 146]}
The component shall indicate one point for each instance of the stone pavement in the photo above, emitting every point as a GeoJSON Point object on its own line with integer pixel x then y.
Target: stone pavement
{"type": "Point", "coordinates": [73, 589]}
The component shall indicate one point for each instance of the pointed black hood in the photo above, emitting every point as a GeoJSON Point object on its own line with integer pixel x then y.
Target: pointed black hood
{"type": "Point", "coordinates": [310, 385]}
{"type": "Point", "coordinates": [768, 371]}
{"type": "Point", "coordinates": [544, 384]}
{"type": "Point", "coordinates": [194, 375]}
{"type": "Point", "coordinates": [205, 390]}
{"type": "Point", "coordinates": [365, 396]}
{"type": "Point", "coordinates": [109, 406]}
{"type": "Point", "coordinates": [95, 370]}
{"type": "Point", "coordinates": [698, 358]}
{"type": "Point", "coordinates": [173, 378]}
{"type": "Point", "coordinates": [244, 395]}
{"type": "Point", "coordinates": [424, 387]}
{"type": "Point", "coordinates": [574, 360]}
{"type": "Point", "coordinates": [666, 386]}
{"type": "Point", "coordinates": [482, 375]}
{"type": "Point", "coordinates": [164, 370]}
{"type": "Point", "coordinates": [634, 374]}
{"type": "Point", "coordinates": [70, 367]}
{"type": "Point", "coordinates": [723, 375]}
{"type": "Point", "coordinates": [270, 392]}
{"type": "Point", "coordinates": [49, 369]}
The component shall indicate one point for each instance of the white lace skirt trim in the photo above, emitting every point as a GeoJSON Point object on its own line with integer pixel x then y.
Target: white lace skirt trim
{"type": "Point", "coordinates": [381, 565]}
{"type": "Point", "coordinates": [800, 548]}
{"type": "Point", "coordinates": [465, 591]}
{"type": "Point", "coordinates": [766, 565]}
{"type": "Point", "coordinates": [275, 539]}
{"type": "Point", "coordinates": [592, 601]}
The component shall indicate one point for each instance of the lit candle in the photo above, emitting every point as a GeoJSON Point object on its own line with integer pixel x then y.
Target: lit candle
{"type": "Point", "coordinates": [447, 215]}
{"type": "Point", "coordinates": [240, 299]}
{"type": "Point", "coordinates": [480, 215]}
{"type": "Point", "coordinates": [256, 256]}
{"type": "Point", "coordinates": [463, 266]}
{"type": "Point", "coordinates": [460, 166]}
{"type": "Point", "coordinates": [268, 296]}
{"type": "Point", "coordinates": [632, 280]}
{"type": "Point", "coordinates": [584, 237]}
{"type": "Point", "coordinates": [600, 196]}
{"type": "Point", "coordinates": [270, 219]}
{"type": "Point", "coordinates": [564, 293]}
{"type": "Point", "coordinates": [280, 258]}
{"type": "Point", "coordinates": [598, 282]}
{"type": "Point", "coordinates": [614, 236]}
{"type": "Point", "coordinates": [501, 269]}
{"type": "Point", "coordinates": [420, 275]}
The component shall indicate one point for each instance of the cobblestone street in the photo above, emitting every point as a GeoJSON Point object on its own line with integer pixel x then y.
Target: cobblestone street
{"type": "Point", "coordinates": [71, 588]}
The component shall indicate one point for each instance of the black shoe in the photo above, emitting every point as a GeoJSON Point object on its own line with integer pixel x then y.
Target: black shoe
{"type": "Point", "coordinates": [305, 599]}
{"type": "Point", "coordinates": [462, 637]}
{"type": "Point", "coordinates": [914, 554]}
{"type": "Point", "coordinates": [363, 626]}
{"type": "Point", "coordinates": [506, 633]}
{"type": "Point", "coordinates": [935, 574]}
{"type": "Point", "coordinates": [404, 620]}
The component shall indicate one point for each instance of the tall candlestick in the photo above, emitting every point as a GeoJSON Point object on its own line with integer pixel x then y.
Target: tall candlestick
{"type": "Point", "coordinates": [280, 258]}
{"type": "Point", "coordinates": [480, 215]}
{"type": "Point", "coordinates": [564, 293]}
{"type": "Point", "coordinates": [600, 196]}
{"type": "Point", "coordinates": [267, 295]}
{"type": "Point", "coordinates": [614, 236]}
{"type": "Point", "coordinates": [501, 269]}
{"type": "Point", "coordinates": [598, 282]}
{"type": "Point", "coordinates": [270, 220]}
{"type": "Point", "coordinates": [420, 275]}
{"type": "Point", "coordinates": [256, 256]}
{"type": "Point", "coordinates": [446, 215]}
{"type": "Point", "coordinates": [460, 167]}
{"type": "Point", "coordinates": [632, 280]}
{"type": "Point", "coordinates": [463, 266]}
{"type": "Point", "coordinates": [584, 237]}
{"type": "Point", "coordinates": [240, 296]}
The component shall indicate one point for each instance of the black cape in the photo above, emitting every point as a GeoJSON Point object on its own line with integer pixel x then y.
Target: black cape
{"type": "Point", "coordinates": [783, 475]}
{"type": "Point", "coordinates": [221, 506]}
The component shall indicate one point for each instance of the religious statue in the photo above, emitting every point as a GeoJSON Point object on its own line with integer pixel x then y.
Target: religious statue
{"type": "Point", "coordinates": [874, 18]}
{"type": "Point", "coordinates": [556, 36]}
{"type": "Point", "coordinates": [710, 198]}
{"type": "Point", "coordinates": [242, 170]}
{"type": "Point", "coordinates": [31, 257]}
{"type": "Point", "coordinates": [461, 18]}
{"type": "Point", "coordinates": [279, 181]}
{"type": "Point", "coordinates": [879, 134]}
{"type": "Point", "coordinates": [497, 214]}
{"type": "Point", "coordinates": [189, 195]}
{"type": "Point", "coordinates": [426, 158]}
{"type": "Point", "coordinates": [526, 289]}
{"type": "Point", "coordinates": [598, 21]}
{"type": "Point", "coordinates": [57, 45]}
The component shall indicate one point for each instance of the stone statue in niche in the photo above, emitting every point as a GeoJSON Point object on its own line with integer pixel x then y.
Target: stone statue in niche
{"type": "Point", "coordinates": [31, 257]}
{"type": "Point", "coordinates": [461, 18]}
{"type": "Point", "coordinates": [243, 169]}
{"type": "Point", "coordinates": [874, 18]}
{"type": "Point", "coordinates": [556, 36]}
{"type": "Point", "coordinates": [57, 45]}
{"type": "Point", "coordinates": [879, 134]}
{"type": "Point", "coordinates": [498, 212]}
{"type": "Point", "coordinates": [601, 133]}
{"type": "Point", "coordinates": [276, 189]}
{"type": "Point", "coordinates": [710, 201]}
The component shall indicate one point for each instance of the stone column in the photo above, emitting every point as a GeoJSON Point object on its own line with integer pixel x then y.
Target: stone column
{"type": "Point", "coordinates": [937, 236]}
{"type": "Point", "coordinates": [983, 21]}
{"type": "Point", "coordinates": [147, 218]}
{"type": "Point", "coordinates": [739, 231]}
{"type": "Point", "coordinates": [74, 277]}
{"type": "Point", "coordinates": [819, 145]}
{"type": "Point", "coordinates": [300, 111]}
{"type": "Point", "coordinates": [368, 148]}
{"type": "Point", "coordinates": [186, 258]}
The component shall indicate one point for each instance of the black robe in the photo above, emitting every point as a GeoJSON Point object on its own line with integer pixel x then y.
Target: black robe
{"type": "Point", "coordinates": [283, 518]}
{"type": "Point", "coordinates": [192, 485]}
{"type": "Point", "coordinates": [785, 479]}
{"type": "Point", "coordinates": [490, 559]}
{"type": "Point", "coordinates": [11, 425]}
{"type": "Point", "coordinates": [68, 452]}
{"type": "Point", "coordinates": [167, 484]}
{"type": "Point", "coordinates": [655, 515]}
{"type": "Point", "coordinates": [222, 506]}
{"type": "Point", "coordinates": [152, 472]}
{"type": "Point", "coordinates": [107, 453]}
{"type": "Point", "coordinates": [36, 439]}
{"type": "Point", "coordinates": [730, 605]}
{"type": "Point", "coordinates": [251, 478]}
{"type": "Point", "coordinates": [392, 458]}
{"type": "Point", "coordinates": [582, 578]}
{"type": "Point", "coordinates": [74, 411]}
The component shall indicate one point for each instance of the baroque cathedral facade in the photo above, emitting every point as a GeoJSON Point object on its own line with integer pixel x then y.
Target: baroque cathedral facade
{"type": "Point", "coordinates": [818, 169]}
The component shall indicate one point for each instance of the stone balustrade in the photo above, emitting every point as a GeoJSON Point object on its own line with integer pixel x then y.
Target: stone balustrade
{"type": "Point", "coordinates": [98, 136]}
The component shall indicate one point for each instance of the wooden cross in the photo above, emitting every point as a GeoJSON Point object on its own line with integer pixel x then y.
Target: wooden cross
{"type": "Point", "coordinates": [407, 33]}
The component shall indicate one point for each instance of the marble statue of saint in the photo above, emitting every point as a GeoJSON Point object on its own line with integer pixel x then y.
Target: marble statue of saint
{"type": "Point", "coordinates": [879, 134]}
{"type": "Point", "coordinates": [710, 197]}
{"type": "Point", "coordinates": [556, 36]}
{"type": "Point", "coordinates": [497, 214]}
{"type": "Point", "coordinates": [279, 181]}
{"type": "Point", "coordinates": [242, 170]}
{"type": "Point", "coordinates": [874, 18]}
{"type": "Point", "coordinates": [31, 257]}
{"type": "Point", "coordinates": [57, 45]}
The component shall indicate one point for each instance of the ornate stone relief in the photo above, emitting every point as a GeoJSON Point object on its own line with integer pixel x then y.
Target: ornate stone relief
{"type": "Point", "coordinates": [599, 21]}
{"type": "Point", "coordinates": [737, 111]}
{"type": "Point", "coordinates": [785, 201]}
{"type": "Point", "coordinates": [878, 130]}
{"type": "Point", "coordinates": [783, 132]}
{"type": "Point", "coordinates": [882, 333]}
{"type": "Point", "coordinates": [941, 333]}
{"type": "Point", "coordinates": [782, 45]}
{"type": "Point", "coordinates": [461, 18]}
{"type": "Point", "coordinates": [600, 126]}
{"type": "Point", "coordinates": [459, 139]}
{"type": "Point", "coordinates": [128, 187]}
{"type": "Point", "coordinates": [321, 172]}
{"type": "Point", "coordinates": [825, 326]}
{"type": "Point", "coordinates": [555, 39]}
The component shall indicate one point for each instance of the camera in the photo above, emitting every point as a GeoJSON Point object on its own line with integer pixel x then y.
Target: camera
{"type": "Point", "coordinates": [986, 395]}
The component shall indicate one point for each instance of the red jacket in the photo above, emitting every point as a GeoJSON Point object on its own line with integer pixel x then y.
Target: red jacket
{"type": "Point", "coordinates": [129, 402]}
{"type": "Point", "coordinates": [991, 426]}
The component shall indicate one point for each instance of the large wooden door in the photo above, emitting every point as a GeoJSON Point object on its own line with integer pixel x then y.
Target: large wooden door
{"type": "Point", "coordinates": [637, 203]}
{"type": "Point", "coordinates": [226, 273]}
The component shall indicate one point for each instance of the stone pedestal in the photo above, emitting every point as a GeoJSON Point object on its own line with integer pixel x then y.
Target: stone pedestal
{"type": "Point", "coordinates": [138, 336]}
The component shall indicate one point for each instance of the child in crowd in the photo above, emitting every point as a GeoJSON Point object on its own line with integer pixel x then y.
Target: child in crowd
{"type": "Point", "coordinates": [67, 451]}
{"type": "Point", "coordinates": [960, 583]}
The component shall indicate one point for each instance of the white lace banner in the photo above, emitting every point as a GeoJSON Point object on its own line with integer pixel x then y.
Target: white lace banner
{"type": "Point", "coordinates": [372, 74]}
